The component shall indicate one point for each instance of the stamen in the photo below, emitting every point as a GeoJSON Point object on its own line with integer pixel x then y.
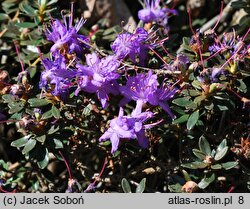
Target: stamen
{"type": "Point", "coordinates": [165, 50]}
{"type": "Point", "coordinates": [157, 55]}
{"type": "Point", "coordinates": [196, 37]}
{"type": "Point", "coordinates": [93, 184]}
{"type": "Point", "coordinates": [21, 63]}
{"type": "Point", "coordinates": [71, 15]}
{"type": "Point", "coordinates": [221, 11]}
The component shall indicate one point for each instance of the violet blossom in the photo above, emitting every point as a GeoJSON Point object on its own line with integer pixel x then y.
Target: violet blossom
{"type": "Point", "coordinates": [139, 88]}
{"type": "Point", "coordinates": [99, 76]}
{"type": "Point", "coordinates": [65, 36]}
{"type": "Point", "coordinates": [153, 12]}
{"type": "Point", "coordinates": [56, 78]}
{"type": "Point", "coordinates": [128, 127]}
{"type": "Point", "coordinates": [143, 88]}
{"type": "Point", "coordinates": [132, 45]}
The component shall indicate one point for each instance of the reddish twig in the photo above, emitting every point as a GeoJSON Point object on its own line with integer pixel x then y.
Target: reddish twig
{"type": "Point", "coordinates": [67, 165]}
{"type": "Point", "coordinates": [96, 179]}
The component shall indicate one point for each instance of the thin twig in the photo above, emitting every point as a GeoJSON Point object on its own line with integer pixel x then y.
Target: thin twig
{"type": "Point", "coordinates": [227, 11]}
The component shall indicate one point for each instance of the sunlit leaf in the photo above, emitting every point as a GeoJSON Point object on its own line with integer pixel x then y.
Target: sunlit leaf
{"type": "Point", "coordinates": [29, 146]}
{"type": "Point", "coordinates": [125, 186]}
{"type": "Point", "coordinates": [204, 146]}
{"type": "Point", "coordinates": [206, 181]}
{"type": "Point", "coordinates": [201, 155]}
{"type": "Point", "coordinates": [229, 165]}
{"type": "Point", "coordinates": [141, 187]}
{"type": "Point", "coordinates": [219, 155]}
{"type": "Point", "coordinates": [192, 120]}
{"type": "Point", "coordinates": [21, 142]}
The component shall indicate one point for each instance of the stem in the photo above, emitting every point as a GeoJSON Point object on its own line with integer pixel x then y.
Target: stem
{"type": "Point", "coordinates": [196, 37]}
{"type": "Point", "coordinates": [232, 188]}
{"type": "Point", "coordinates": [7, 84]}
{"type": "Point", "coordinates": [96, 179]}
{"type": "Point", "coordinates": [5, 191]}
{"type": "Point", "coordinates": [213, 55]}
{"type": "Point", "coordinates": [167, 52]}
{"type": "Point", "coordinates": [67, 165]}
{"type": "Point", "coordinates": [221, 10]}
{"type": "Point", "coordinates": [18, 55]}
{"type": "Point", "coordinates": [157, 55]}
{"type": "Point", "coordinates": [9, 121]}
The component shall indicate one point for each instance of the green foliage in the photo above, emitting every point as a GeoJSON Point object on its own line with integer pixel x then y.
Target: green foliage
{"type": "Point", "coordinates": [39, 125]}
{"type": "Point", "coordinates": [139, 188]}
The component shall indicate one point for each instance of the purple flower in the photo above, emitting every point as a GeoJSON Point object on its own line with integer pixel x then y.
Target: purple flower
{"type": "Point", "coordinates": [140, 88]}
{"type": "Point", "coordinates": [56, 77]}
{"type": "Point", "coordinates": [99, 76]}
{"type": "Point", "coordinates": [161, 96]}
{"type": "Point", "coordinates": [132, 45]}
{"type": "Point", "coordinates": [143, 88]}
{"type": "Point", "coordinates": [128, 127]}
{"type": "Point", "coordinates": [154, 13]}
{"type": "Point", "coordinates": [65, 36]}
{"type": "Point", "coordinates": [180, 63]}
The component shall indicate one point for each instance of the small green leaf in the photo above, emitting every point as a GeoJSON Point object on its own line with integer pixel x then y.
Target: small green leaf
{"type": "Point", "coordinates": [57, 144]}
{"type": "Point", "coordinates": [47, 115]}
{"type": "Point", "coordinates": [204, 146]}
{"type": "Point", "coordinates": [87, 110]}
{"type": "Point", "coordinates": [182, 102]}
{"type": "Point", "coordinates": [43, 158]}
{"type": "Point", "coordinates": [219, 155]}
{"type": "Point", "coordinates": [26, 25]}
{"type": "Point", "coordinates": [206, 181]}
{"type": "Point", "coordinates": [176, 188]}
{"type": "Point", "coordinates": [53, 129]}
{"type": "Point", "coordinates": [125, 186]}
{"type": "Point", "coordinates": [243, 86]}
{"type": "Point", "coordinates": [222, 107]}
{"type": "Point", "coordinates": [216, 166]}
{"type": "Point", "coordinates": [191, 92]}
{"type": "Point", "coordinates": [55, 112]}
{"type": "Point", "coordinates": [229, 165]}
{"type": "Point", "coordinates": [181, 119]}
{"type": "Point", "coordinates": [213, 152]}
{"type": "Point", "coordinates": [201, 155]}
{"type": "Point", "coordinates": [8, 98]}
{"type": "Point", "coordinates": [15, 107]}
{"type": "Point", "coordinates": [221, 145]}
{"type": "Point", "coordinates": [186, 175]}
{"type": "Point", "coordinates": [195, 165]}
{"type": "Point", "coordinates": [29, 146]}
{"type": "Point", "coordinates": [27, 9]}
{"type": "Point", "coordinates": [42, 2]}
{"type": "Point", "coordinates": [141, 187]}
{"type": "Point", "coordinates": [21, 142]}
{"type": "Point", "coordinates": [196, 84]}
{"type": "Point", "coordinates": [4, 165]}
{"type": "Point", "coordinates": [3, 16]}
{"type": "Point", "coordinates": [41, 138]}
{"type": "Point", "coordinates": [35, 102]}
{"type": "Point", "coordinates": [192, 120]}
{"type": "Point", "coordinates": [199, 99]}
{"type": "Point", "coordinates": [52, 2]}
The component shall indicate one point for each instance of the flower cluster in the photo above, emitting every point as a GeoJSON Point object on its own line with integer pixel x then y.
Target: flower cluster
{"type": "Point", "coordinates": [99, 76]}
{"type": "Point", "coordinates": [74, 66]}
{"type": "Point", "coordinates": [128, 127]}
{"type": "Point", "coordinates": [65, 36]}
{"type": "Point", "coordinates": [132, 45]}
{"type": "Point", "coordinates": [153, 12]}
{"type": "Point", "coordinates": [144, 88]}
